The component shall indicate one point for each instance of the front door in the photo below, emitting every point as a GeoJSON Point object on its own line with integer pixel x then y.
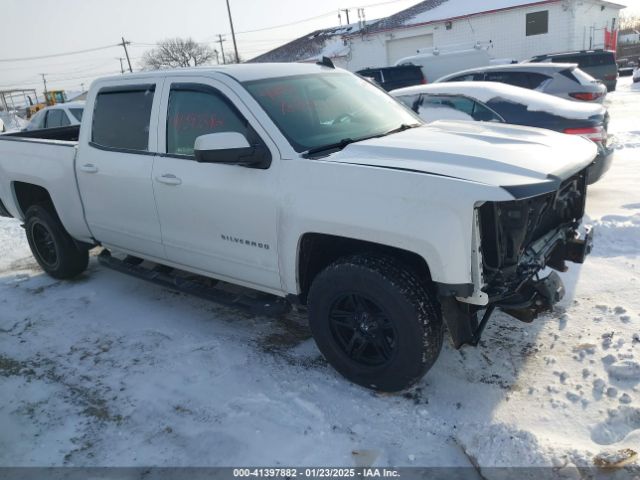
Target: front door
{"type": "Point", "coordinates": [114, 169]}
{"type": "Point", "coordinates": [218, 219]}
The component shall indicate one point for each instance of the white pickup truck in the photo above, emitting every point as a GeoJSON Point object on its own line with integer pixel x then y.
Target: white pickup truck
{"type": "Point", "coordinates": [308, 183]}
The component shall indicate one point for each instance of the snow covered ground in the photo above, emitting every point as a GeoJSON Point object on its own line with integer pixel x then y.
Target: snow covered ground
{"type": "Point", "coordinates": [110, 370]}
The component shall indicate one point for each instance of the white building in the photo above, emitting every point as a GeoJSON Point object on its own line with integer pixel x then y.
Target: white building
{"type": "Point", "coordinates": [629, 36]}
{"type": "Point", "coordinates": [509, 29]}
{"type": "Point", "coordinates": [515, 29]}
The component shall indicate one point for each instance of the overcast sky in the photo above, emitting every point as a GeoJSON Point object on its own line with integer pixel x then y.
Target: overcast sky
{"type": "Point", "coordinates": [40, 27]}
{"type": "Point", "coordinates": [32, 28]}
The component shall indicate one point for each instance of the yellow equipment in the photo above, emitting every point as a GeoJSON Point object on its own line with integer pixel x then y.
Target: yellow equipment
{"type": "Point", "coordinates": [55, 96]}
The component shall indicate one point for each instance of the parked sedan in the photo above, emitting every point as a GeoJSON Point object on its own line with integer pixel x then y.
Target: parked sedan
{"type": "Point", "coordinates": [60, 115]}
{"type": "Point", "coordinates": [564, 80]}
{"type": "Point", "coordinates": [495, 102]}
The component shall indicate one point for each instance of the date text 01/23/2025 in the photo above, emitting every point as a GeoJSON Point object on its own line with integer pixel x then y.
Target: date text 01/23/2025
{"type": "Point", "coordinates": [316, 472]}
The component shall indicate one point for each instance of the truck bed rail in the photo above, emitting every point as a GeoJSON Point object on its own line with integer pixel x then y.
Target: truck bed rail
{"type": "Point", "coordinates": [70, 134]}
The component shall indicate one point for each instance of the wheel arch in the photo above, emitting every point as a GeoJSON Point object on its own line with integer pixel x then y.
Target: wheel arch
{"type": "Point", "coordinates": [316, 251]}
{"type": "Point", "coordinates": [29, 194]}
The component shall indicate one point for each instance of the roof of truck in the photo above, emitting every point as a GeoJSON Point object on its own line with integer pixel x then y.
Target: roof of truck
{"type": "Point", "coordinates": [242, 72]}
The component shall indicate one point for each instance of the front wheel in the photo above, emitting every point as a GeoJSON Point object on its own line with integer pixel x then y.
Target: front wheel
{"type": "Point", "coordinates": [375, 322]}
{"type": "Point", "coordinates": [51, 245]}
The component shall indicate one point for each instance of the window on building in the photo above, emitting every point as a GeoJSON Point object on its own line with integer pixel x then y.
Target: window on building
{"type": "Point", "coordinates": [121, 118]}
{"type": "Point", "coordinates": [537, 23]}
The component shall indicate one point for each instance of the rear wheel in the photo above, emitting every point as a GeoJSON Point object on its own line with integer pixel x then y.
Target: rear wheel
{"type": "Point", "coordinates": [375, 322]}
{"type": "Point", "coordinates": [51, 245]}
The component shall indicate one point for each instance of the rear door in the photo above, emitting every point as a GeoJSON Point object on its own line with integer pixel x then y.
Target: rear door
{"type": "Point", "coordinates": [114, 167]}
{"type": "Point", "coordinates": [219, 219]}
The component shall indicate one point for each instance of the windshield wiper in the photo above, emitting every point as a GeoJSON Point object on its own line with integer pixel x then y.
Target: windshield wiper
{"type": "Point", "coordinates": [332, 146]}
{"type": "Point", "coordinates": [401, 128]}
{"type": "Point", "coordinates": [347, 141]}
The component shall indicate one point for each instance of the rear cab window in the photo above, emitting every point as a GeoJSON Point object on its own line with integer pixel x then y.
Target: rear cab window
{"type": "Point", "coordinates": [122, 117]}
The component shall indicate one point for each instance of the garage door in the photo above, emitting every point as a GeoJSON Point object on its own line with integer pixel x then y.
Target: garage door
{"type": "Point", "coordinates": [405, 47]}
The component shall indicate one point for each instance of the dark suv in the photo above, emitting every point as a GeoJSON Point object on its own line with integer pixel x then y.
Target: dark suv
{"type": "Point", "coordinates": [391, 78]}
{"type": "Point", "coordinates": [600, 64]}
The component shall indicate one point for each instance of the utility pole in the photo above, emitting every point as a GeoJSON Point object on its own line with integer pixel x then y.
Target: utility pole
{"type": "Point", "coordinates": [233, 34]}
{"type": "Point", "coordinates": [220, 39]}
{"type": "Point", "coordinates": [121, 65]}
{"type": "Point", "coordinates": [124, 45]}
{"type": "Point", "coordinates": [217, 54]}
{"type": "Point", "coordinates": [44, 79]}
{"type": "Point", "coordinates": [82, 87]}
{"type": "Point", "coordinates": [346, 11]}
{"type": "Point", "coordinates": [361, 20]}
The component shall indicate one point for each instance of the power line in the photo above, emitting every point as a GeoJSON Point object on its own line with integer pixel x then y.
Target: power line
{"type": "Point", "coordinates": [56, 54]}
{"type": "Point", "coordinates": [331, 13]}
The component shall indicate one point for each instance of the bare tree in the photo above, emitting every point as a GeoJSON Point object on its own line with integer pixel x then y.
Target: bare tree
{"type": "Point", "coordinates": [230, 57]}
{"type": "Point", "coordinates": [630, 21]}
{"type": "Point", "coordinates": [177, 53]}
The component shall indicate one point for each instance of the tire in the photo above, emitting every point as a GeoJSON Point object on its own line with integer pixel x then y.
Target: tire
{"type": "Point", "coordinates": [51, 245]}
{"type": "Point", "coordinates": [375, 322]}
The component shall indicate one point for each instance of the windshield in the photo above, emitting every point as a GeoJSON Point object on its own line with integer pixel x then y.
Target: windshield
{"type": "Point", "coordinates": [324, 109]}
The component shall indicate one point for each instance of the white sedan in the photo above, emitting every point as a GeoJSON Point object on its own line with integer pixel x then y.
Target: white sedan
{"type": "Point", "coordinates": [636, 75]}
{"type": "Point", "coordinates": [60, 115]}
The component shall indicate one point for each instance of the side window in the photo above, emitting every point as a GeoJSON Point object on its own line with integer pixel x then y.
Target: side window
{"type": "Point", "coordinates": [55, 118]}
{"type": "Point", "coordinates": [196, 110]}
{"type": "Point", "coordinates": [37, 121]}
{"type": "Point", "coordinates": [537, 23]}
{"type": "Point", "coordinates": [517, 79]}
{"type": "Point", "coordinates": [65, 119]}
{"type": "Point", "coordinates": [470, 77]}
{"type": "Point", "coordinates": [411, 101]}
{"type": "Point", "coordinates": [77, 112]}
{"type": "Point", "coordinates": [537, 79]}
{"type": "Point", "coordinates": [482, 113]}
{"type": "Point", "coordinates": [121, 117]}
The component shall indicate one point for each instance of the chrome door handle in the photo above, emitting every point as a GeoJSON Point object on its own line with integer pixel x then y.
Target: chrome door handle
{"type": "Point", "coordinates": [89, 168]}
{"type": "Point", "coordinates": [168, 179]}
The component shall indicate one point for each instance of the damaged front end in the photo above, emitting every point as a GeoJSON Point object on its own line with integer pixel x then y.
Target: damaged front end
{"type": "Point", "coordinates": [518, 239]}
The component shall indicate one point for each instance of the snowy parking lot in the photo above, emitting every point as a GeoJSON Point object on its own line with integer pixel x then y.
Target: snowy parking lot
{"type": "Point", "coordinates": [109, 370]}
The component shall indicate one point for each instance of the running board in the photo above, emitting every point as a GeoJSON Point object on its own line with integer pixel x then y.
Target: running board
{"type": "Point", "coordinates": [268, 305]}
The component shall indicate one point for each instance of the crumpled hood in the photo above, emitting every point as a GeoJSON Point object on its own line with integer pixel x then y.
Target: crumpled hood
{"type": "Point", "coordinates": [492, 154]}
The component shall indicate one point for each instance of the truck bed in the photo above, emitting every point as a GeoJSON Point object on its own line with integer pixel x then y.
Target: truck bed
{"type": "Point", "coordinates": [46, 159]}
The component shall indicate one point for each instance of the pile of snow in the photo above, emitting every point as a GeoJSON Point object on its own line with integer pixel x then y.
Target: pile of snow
{"type": "Point", "coordinates": [487, 91]}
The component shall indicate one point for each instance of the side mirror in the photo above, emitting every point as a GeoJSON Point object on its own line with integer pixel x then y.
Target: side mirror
{"type": "Point", "coordinates": [230, 148]}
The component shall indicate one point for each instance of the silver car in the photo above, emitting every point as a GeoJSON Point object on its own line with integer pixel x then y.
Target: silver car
{"type": "Point", "coordinates": [564, 80]}
{"type": "Point", "coordinates": [59, 115]}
